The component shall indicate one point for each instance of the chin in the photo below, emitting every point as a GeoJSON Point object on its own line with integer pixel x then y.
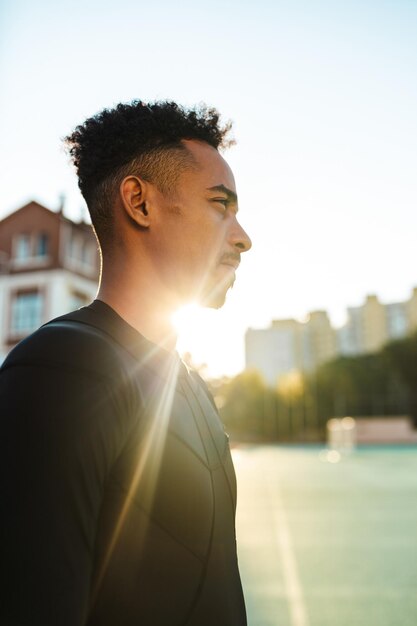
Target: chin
{"type": "Point", "coordinates": [215, 297]}
{"type": "Point", "coordinates": [213, 302]}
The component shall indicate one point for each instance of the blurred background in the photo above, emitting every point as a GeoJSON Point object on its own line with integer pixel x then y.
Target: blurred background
{"type": "Point", "coordinates": [313, 359]}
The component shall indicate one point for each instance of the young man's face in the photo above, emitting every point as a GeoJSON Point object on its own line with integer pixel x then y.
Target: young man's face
{"type": "Point", "coordinates": [199, 240]}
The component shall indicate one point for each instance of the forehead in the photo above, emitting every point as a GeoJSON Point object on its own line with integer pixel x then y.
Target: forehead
{"type": "Point", "coordinates": [212, 170]}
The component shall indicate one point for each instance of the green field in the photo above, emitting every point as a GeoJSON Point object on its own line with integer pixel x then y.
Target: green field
{"type": "Point", "coordinates": [328, 544]}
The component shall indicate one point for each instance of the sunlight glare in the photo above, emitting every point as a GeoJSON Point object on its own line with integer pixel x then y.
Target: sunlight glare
{"type": "Point", "coordinates": [191, 324]}
{"type": "Point", "coordinates": [184, 318]}
{"type": "Point", "coordinates": [146, 472]}
{"type": "Point", "coordinates": [212, 338]}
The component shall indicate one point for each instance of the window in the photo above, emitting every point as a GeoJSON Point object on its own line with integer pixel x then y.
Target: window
{"type": "Point", "coordinates": [81, 254]}
{"type": "Point", "coordinates": [89, 252]}
{"type": "Point", "coordinates": [31, 250]}
{"type": "Point", "coordinates": [85, 253]}
{"type": "Point", "coordinates": [22, 250]}
{"type": "Point", "coordinates": [75, 248]}
{"type": "Point", "coordinates": [27, 309]}
{"type": "Point", "coordinates": [42, 245]}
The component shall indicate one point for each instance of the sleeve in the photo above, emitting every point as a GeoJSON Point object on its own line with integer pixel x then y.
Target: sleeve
{"type": "Point", "coordinates": [60, 434]}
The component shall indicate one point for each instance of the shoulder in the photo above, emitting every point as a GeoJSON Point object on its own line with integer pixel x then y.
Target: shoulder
{"type": "Point", "coordinates": [203, 385]}
{"type": "Point", "coordinates": [68, 344]}
{"type": "Point", "coordinates": [75, 371]}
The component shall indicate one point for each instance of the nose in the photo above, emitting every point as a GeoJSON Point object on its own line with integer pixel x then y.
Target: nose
{"type": "Point", "coordinates": [239, 237]}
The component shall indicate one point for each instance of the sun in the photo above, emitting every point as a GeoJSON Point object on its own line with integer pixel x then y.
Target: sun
{"type": "Point", "coordinates": [187, 322]}
{"type": "Point", "coordinates": [194, 327]}
{"type": "Point", "coordinates": [184, 317]}
{"type": "Point", "coordinates": [209, 340]}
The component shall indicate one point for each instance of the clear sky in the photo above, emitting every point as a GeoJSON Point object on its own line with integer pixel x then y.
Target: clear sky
{"type": "Point", "coordinates": [323, 95]}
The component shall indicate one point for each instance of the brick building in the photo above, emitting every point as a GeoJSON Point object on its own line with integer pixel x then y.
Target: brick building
{"type": "Point", "coordinates": [49, 265]}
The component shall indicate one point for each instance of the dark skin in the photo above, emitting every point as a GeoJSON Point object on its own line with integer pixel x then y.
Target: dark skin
{"type": "Point", "coordinates": [174, 248]}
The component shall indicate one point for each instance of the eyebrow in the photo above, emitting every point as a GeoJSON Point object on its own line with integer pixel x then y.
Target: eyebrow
{"type": "Point", "coordinates": [231, 195]}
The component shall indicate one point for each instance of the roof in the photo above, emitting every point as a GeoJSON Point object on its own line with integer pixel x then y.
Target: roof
{"type": "Point", "coordinates": [33, 204]}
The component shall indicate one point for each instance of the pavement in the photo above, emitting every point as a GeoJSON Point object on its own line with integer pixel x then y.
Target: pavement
{"type": "Point", "coordinates": [328, 539]}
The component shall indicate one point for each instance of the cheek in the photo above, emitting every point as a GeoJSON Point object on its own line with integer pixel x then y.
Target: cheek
{"type": "Point", "coordinates": [193, 245]}
{"type": "Point", "coordinates": [206, 250]}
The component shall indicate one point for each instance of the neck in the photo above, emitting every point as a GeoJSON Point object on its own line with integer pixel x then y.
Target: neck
{"type": "Point", "coordinates": [139, 300]}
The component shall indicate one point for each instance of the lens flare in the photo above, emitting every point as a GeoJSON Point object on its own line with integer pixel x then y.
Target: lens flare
{"type": "Point", "coordinates": [149, 462]}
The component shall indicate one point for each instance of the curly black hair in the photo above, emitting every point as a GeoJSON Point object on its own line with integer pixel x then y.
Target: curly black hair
{"type": "Point", "coordinates": [143, 139]}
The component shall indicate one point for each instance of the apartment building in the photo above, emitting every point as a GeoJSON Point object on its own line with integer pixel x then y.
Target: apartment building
{"type": "Point", "coordinates": [290, 345]}
{"type": "Point", "coordinates": [274, 351]}
{"type": "Point", "coordinates": [411, 311]}
{"type": "Point", "coordinates": [49, 265]}
{"type": "Point", "coordinates": [319, 340]}
{"type": "Point", "coordinates": [373, 324]}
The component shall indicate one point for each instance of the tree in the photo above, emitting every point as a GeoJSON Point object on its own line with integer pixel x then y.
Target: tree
{"type": "Point", "coordinates": [402, 358]}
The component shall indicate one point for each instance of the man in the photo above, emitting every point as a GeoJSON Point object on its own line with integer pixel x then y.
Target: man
{"type": "Point", "coordinates": [118, 488]}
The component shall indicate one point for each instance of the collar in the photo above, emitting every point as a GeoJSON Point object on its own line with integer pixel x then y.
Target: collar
{"type": "Point", "coordinates": [105, 318]}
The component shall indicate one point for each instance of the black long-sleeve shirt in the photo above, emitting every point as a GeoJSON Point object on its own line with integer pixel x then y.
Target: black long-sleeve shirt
{"type": "Point", "coordinates": [118, 492]}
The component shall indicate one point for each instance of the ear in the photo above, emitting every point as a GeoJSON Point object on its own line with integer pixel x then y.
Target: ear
{"type": "Point", "coordinates": [134, 197]}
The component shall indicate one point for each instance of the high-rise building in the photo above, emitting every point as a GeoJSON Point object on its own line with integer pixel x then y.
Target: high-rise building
{"type": "Point", "coordinates": [274, 351]}
{"type": "Point", "coordinates": [319, 340]}
{"type": "Point", "coordinates": [289, 345]}
{"type": "Point", "coordinates": [49, 265]}
{"type": "Point", "coordinates": [397, 320]}
{"type": "Point", "coordinates": [411, 308]}
{"type": "Point", "coordinates": [366, 329]}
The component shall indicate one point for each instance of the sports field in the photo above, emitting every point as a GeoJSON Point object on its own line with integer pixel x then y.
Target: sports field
{"type": "Point", "coordinates": [326, 543]}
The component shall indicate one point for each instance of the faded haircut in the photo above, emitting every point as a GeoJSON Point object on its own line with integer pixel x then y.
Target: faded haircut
{"type": "Point", "coordinates": [137, 139]}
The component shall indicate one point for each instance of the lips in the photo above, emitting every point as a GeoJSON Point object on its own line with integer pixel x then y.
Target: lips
{"type": "Point", "coordinates": [229, 264]}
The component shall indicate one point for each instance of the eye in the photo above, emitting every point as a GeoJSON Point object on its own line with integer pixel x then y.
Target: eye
{"type": "Point", "coordinates": [223, 201]}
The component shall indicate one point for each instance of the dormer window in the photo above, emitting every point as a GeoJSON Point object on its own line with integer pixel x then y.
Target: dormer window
{"type": "Point", "coordinates": [30, 250]}
{"type": "Point", "coordinates": [81, 253]}
{"type": "Point", "coordinates": [42, 241]}
{"type": "Point", "coordinates": [22, 250]}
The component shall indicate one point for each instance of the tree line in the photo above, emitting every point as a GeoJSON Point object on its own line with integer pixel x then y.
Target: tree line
{"type": "Point", "coordinates": [298, 408]}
